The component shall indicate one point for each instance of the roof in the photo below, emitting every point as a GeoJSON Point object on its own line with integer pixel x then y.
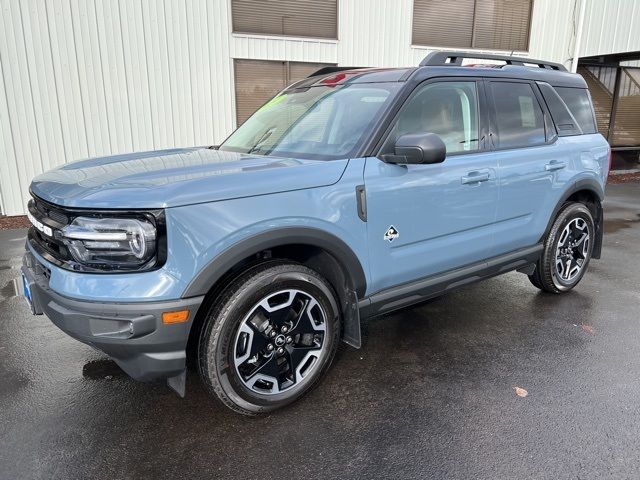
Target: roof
{"type": "Point", "coordinates": [449, 63]}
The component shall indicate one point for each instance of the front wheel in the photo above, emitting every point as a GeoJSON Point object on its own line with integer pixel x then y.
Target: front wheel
{"type": "Point", "coordinates": [567, 250]}
{"type": "Point", "coordinates": [270, 337]}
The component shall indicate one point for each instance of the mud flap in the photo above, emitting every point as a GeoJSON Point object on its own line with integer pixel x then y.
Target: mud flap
{"type": "Point", "coordinates": [527, 269]}
{"type": "Point", "coordinates": [178, 383]}
{"type": "Point", "coordinates": [351, 328]}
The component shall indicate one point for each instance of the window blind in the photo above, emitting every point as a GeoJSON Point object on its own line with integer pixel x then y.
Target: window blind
{"type": "Point", "coordinates": [299, 18]}
{"type": "Point", "coordinates": [490, 24]}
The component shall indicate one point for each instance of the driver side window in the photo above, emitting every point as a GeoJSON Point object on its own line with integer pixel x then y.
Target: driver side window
{"type": "Point", "coordinates": [448, 109]}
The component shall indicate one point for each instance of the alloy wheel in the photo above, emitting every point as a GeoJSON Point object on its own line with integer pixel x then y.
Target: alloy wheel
{"type": "Point", "coordinates": [572, 250]}
{"type": "Point", "coordinates": [280, 341]}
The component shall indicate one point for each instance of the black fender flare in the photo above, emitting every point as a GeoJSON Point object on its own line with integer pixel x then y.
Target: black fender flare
{"type": "Point", "coordinates": [225, 261]}
{"type": "Point", "coordinates": [593, 186]}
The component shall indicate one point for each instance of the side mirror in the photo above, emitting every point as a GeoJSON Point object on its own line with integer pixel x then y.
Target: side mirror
{"type": "Point", "coordinates": [418, 148]}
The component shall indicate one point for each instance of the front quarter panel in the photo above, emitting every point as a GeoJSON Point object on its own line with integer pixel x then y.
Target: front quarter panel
{"type": "Point", "coordinates": [154, 285]}
{"type": "Point", "coordinates": [198, 234]}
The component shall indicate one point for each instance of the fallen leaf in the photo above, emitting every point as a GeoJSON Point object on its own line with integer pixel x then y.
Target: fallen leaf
{"type": "Point", "coordinates": [587, 328]}
{"type": "Point", "coordinates": [521, 392]}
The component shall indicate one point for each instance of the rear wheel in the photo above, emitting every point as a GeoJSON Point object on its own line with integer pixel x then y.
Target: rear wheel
{"type": "Point", "coordinates": [567, 250]}
{"type": "Point", "coordinates": [271, 336]}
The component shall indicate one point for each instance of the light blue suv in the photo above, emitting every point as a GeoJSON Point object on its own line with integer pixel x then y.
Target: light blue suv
{"type": "Point", "coordinates": [352, 193]}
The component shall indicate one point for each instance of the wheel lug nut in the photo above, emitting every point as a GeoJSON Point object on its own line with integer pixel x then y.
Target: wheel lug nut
{"type": "Point", "coordinates": [272, 334]}
{"type": "Point", "coordinates": [270, 347]}
{"type": "Point", "coordinates": [289, 339]}
{"type": "Point", "coordinates": [280, 351]}
{"type": "Point", "coordinates": [285, 329]}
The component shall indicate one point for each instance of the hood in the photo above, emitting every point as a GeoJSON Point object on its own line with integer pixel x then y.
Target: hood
{"type": "Point", "coordinates": [171, 178]}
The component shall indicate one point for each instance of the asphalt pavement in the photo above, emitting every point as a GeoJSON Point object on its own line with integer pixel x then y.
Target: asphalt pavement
{"type": "Point", "coordinates": [432, 393]}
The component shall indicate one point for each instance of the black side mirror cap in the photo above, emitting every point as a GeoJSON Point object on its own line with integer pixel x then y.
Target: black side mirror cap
{"type": "Point", "coordinates": [417, 148]}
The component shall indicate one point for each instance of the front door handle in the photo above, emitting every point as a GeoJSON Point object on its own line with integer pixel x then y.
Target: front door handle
{"type": "Point", "coordinates": [554, 165]}
{"type": "Point", "coordinates": [475, 177]}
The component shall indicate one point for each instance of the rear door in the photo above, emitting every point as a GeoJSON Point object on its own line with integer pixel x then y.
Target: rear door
{"type": "Point", "coordinates": [532, 168]}
{"type": "Point", "coordinates": [427, 219]}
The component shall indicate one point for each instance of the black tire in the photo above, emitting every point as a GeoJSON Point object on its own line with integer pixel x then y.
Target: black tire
{"type": "Point", "coordinates": [547, 275]}
{"type": "Point", "coordinates": [235, 332]}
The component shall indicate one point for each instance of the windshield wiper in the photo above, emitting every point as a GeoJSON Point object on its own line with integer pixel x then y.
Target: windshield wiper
{"type": "Point", "coordinates": [261, 140]}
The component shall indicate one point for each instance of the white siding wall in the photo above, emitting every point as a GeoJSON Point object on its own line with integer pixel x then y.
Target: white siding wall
{"type": "Point", "coordinates": [82, 78]}
{"type": "Point", "coordinates": [611, 26]}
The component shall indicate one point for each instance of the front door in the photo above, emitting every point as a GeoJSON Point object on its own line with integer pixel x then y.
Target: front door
{"type": "Point", "coordinates": [427, 219]}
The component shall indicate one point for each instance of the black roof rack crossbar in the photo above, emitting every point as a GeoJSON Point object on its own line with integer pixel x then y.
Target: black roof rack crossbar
{"type": "Point", "coordinates": [441, 58]}
{"type": "Point", "coordinates": [331, 69]}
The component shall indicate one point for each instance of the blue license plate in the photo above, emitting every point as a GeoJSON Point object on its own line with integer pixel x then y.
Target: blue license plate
{"type": "Point", "coordinates": [27, 291]}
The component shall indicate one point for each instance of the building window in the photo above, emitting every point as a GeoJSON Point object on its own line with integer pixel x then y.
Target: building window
{"type": "Point", "coordinates": [258, 80]}
{"type": "Point", "coordinates": [299, 18]}
{"type": "Point", "coordinates": [490, 24]}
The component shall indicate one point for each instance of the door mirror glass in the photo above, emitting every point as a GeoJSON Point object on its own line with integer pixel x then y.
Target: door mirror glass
{"type": "Point", "coordinates": [418, 148]}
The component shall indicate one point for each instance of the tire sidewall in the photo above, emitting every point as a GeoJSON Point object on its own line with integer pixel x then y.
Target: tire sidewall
{"type": "Point", "coordinates": [221, 342]}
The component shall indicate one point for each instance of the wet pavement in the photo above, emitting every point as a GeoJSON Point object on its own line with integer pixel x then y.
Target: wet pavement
{"type": "Point", "coordinates": [430, 395]}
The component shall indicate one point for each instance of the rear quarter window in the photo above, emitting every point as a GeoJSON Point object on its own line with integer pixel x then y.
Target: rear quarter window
{"type": "Point", "coordinates": [579, 104]}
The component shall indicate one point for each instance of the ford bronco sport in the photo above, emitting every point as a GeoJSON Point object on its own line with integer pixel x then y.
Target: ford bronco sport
{"type": "Point", "coordinates": [352, 193]}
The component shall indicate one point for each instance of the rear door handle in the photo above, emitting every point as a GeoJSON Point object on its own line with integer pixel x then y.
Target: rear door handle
{"type": "Point", "coordinates": [554, 165]}
{"type": "Point", "coordinates": [475, 177]}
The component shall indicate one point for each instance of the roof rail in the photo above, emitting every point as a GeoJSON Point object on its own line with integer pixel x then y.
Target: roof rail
{"type": "Point", "coordinates": [331, 69]}
{"type": "Point", "coordinates": [442, 58]}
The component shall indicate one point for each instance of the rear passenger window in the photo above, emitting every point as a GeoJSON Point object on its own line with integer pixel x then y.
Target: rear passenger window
{"type": "Point", "coordinates": [579, 104]}
{"type": "Point", "coordinates": [519, 118]}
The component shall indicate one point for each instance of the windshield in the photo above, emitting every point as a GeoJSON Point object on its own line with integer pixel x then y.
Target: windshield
{"type": "Point", "coordinates": [326, 122]}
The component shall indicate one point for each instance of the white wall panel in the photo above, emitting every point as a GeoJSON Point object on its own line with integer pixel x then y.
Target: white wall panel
{"type": "Point", "coordinates": [86, 78]}
{"type": "Point", "coordinates": [283, 48]}
{"type": "Point", "coordinates": [10, 175]}
{"type": "Point", "coordinates": [611, 26]}
{"type": "Point", "coordinates": [553, 29]}
{"type": "Point", "coordinates": [82, 78]}
{"type": "Point", "coordinates": [20, 110]}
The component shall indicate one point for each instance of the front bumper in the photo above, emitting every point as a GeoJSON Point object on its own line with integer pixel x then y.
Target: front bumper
{"type": "Point", "coordinates": [131, 333]}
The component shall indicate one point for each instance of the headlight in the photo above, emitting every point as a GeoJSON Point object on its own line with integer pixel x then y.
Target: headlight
{"type": "Point", "coordinates": [111, 243]}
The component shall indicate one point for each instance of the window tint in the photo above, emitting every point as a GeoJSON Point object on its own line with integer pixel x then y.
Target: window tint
{"type": "Point", "coordinates": [578, 102]}
{"type": "Point", "coordinates": [449, 109]}
{"type": "Point", "coordinates": [519, 118]}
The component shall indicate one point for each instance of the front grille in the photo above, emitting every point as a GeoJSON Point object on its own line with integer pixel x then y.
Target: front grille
{"type": "Point", "coordinates": [58, 217]}
{"type": "Point", "coordinates": [50, 212]}
{"type": "Point", "coordinates": [50, 247]}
